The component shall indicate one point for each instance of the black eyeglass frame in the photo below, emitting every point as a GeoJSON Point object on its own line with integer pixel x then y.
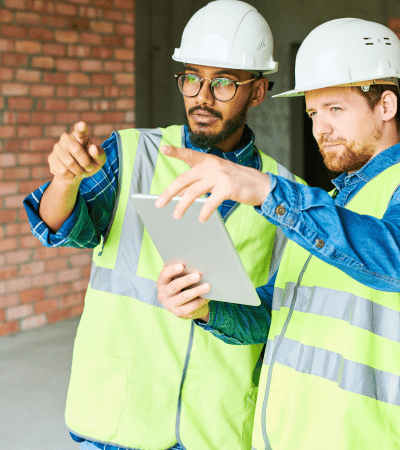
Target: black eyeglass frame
{"type": "Point", "coordinates": [236, 83]}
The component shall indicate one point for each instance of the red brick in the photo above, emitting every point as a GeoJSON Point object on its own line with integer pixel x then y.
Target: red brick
{"type": "Point", "coordinates": [113, 41]}
{"type": "Point", "coordinates": [72, 300]}
{"type": "Point", "coordinates": [80, 285]}
{"type": "Point", "coordinates": [41, 172]}
{"type": "Point", "coordinates": [2, 315]}
{"type": "Point", "coordinates": [42, 117]}
{"type": "Point", "coordinates": [18, 284]}
{"type": "Point", "coordinates": [43, 62]}
{"type": "Point", "coordinates": [9, 244]}
{"type": "Point", "coordinates": [15, 4]}
{"type": "Point", "coordinates": [28, 18]}
{"type": "Point", "coordinates": [67, 37]}
{"type": "Point", "coordinates": [25, 187]}
{"type": "Point", "coordinates": [102, 53]}
{"type": "Point", "coordinates": [80, 51]}
{"type": "Point", "coordinates": [81, 24]}
{"type": "Point", "coordinates": [8, 216]}
{"type": "Point", "coordinates": [9, 118]}
{"type": "Point", "coordinates": [129, 42]}
{"type": "Point", "coordinates": [114, 66]}
{"type": "Point", "coordinates": [28, 76]}
{"type": "Point", "coordinates": [102, 3]}
{"type": "Point", "coordinates": [10, 59]}
{"type": "Point", "coordinates": [78, 104]}
{"type": "Point", "coordinates": [13, 31]}
{"type": "Point", "coordinates": [102, 27]}
{"type": "Point", "coordinates": [55, 265]}
{"type": "Point", "coordinates": [67, 91]}
{"type": "Point", "coordinates": [91, 92]}
{"type": "Point", "coordinates": [394, 24]}
{"type": "Point", "coordinates": [42, 144]}
{"type": "Point", "coordinates": [29, 159]}
{"type": "Point", "coordinates": [16, 145]}
{"type": "Point", "coordinates": [6, 74]}
{"type": "Point", "coordinates": [58, 315]}
{"type": "Point", "coordinates": [42, 91]}
{"type": "Point", "coordinates": [8, 272]}
{"type": "Point", "coordinates": [46, 253]}
{"type": "Point", "coordinates": [45, 306]}
{"type": "Point", "coordinates": [67, 65]}
{"type": "Point", "coordinates": [13, 229]}
{"type": "Point", "coordinates": [123, 28]}
{"type": "Point", "coordinates": [54, 49]}
{"type": "Point", "coordinates": [78, 78]}
{"type": "Point", "coordinates": [33, 322]}
{"type": "Point", "coordinates": [77, 310]}
{"type": "Point", "coordinates": [7, 159]}
{"type": "Point", "coordinates": [67, 117]}
{"type": "Point", "coordinates": [29, 242]}
{"type": "Point", "coordinates": [7, 131]}
{"type": "Point", "coordinates": [65, 8]}
{"type": "Point", "coordinates": [114, 15]}
{"type": "Point", "coordinates": [124, 54]}
{"type": "Point", "coordinates": [69, 275]}
{"type": "Point", "coordinates": [102, 78]}
{"type": "Point", "coordinates": [6, 45]}
{"type": "Point", "coordinates": [102, 130]}
{"type": "Point", "coordinates": [15, 89]}
{"type": "Point", "coordinates": [9, 300]}
{"type": "Point", "coordinates": [91, 117]}
{"type": "Point", "coordinates": [19, 256]}
{"type": "Point", "coordinates": [56, 105]}
{"type": "Point", "coordinates": [42, 34]}
{"type": "Point", "coordinates": [125, 4]}
{"type": "Point", "coordinates": [102, 105]}
{"type": "Point", "coordinates": [90, 38]}
{"type": "Point", "coordinates": [58, 290]}
{"type": "Point", "coordinates": [7, 188]}
{"type": "Point", "coordinates": [28, 47]}
{"type": "Point", "coordinates": [55, 131]}
{"type": "Point", "coordinates": [6, 16]}
{"type": "Point", "coordinates": [9, 328]}
{"type": "Point", "coordinates": [18, 312]}
{"type": "Point", "coordinates": [17, 173]}
{"type": "Point", "coordinates": [91, 65]}
{"type": "Point", "coordinates": [55, 78]}
{"type": "Point", "coordinates": [125, 103]}
{"type": "Point", "coordinates": [15, 103]}
{"type": "Point", "coordinates": [113, 117]}
{"type": "Point", "coordinates": [124, 78]}
{"type": "Point", "coordinates": [14, 201]}
{"type": "Point", "coordinates": [45, 279]}
{"type": "Point", "coordinates": [32, 295]}
{"type": "Point", "coordinates": [32, 268]}
{"type": "Point", "coordinates": [30, 131]}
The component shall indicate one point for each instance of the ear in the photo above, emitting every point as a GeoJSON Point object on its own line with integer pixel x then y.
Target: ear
{"type": "Point", "coordinates": [389, 105]}
{"type": "Point", "coordinates": [259, 91]}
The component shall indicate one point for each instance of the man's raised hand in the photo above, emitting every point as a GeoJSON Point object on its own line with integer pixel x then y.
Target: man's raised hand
{"type": "Point", "coordinates": [75, 157]}
{"type": "Point", "coordinates": [210, 174]}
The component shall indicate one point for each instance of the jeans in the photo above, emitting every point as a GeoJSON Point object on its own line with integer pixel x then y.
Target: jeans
{"type": "Point", "coordinates": [89, 446]}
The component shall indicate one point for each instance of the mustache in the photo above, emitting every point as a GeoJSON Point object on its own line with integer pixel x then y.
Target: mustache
{"type": "Point", "coordinates": [207, 109]}
{"type": "Point", "coordinates": [322, 141]}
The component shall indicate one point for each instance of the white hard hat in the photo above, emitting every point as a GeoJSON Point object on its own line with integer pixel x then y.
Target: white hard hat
{"type": "Point", "coordinates": [346, 52]}
{"type": "Point", "coordinates": [230, 34]}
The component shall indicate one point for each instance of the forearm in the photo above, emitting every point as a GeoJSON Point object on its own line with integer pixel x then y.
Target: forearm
{"type": "Point", "coordinates": [58, 202]}
{"type": "Point", "coordinates": [364, 247]}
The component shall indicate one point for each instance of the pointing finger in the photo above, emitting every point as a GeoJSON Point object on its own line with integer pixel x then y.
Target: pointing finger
{"type": "Point", "coordinates": [81, 134]}
{"type": "Point", "coordinates": [191, 157]}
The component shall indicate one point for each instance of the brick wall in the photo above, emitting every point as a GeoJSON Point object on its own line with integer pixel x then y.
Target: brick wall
{"type": "Point", "coordinates": [60, 62]}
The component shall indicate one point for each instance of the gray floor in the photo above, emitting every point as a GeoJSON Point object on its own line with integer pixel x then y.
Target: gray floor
{"type": "Point", "coordinates": [34, 374]}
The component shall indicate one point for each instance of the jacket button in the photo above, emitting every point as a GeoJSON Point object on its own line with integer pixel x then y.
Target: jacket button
{"type": "Point", "coordinates": [280, 210]}
{"type": "Point", "coordinates": [319, 243]}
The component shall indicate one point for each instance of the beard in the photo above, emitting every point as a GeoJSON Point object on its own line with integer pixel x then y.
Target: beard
{"type": "Point", "coordinates": [204, 138]}
{"type": "Point", "coordinates": [355, 154]}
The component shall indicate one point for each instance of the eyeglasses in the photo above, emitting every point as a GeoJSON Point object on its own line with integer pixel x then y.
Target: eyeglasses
{"type": "Point", "coordinates": [222, 89]}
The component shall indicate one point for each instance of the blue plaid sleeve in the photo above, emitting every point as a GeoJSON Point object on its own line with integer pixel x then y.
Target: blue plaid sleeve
{"type": "Point", "coordinates": [92, 212]}
{"type": "Point", "coordinates": [241, 324]}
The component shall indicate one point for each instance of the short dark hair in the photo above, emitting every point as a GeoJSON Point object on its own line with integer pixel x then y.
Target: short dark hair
{"type": "Point", "coordinates": [374, 95]}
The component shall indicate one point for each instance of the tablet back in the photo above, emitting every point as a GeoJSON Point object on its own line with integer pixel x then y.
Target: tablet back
{"type": "Point", "coordinates": [203, 247]}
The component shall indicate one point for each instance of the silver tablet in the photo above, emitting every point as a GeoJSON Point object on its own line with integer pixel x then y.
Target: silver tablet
{"type": "Point", "coordinates": [203, 247]}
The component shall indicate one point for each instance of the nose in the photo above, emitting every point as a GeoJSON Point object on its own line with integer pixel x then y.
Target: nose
{"type": "Point", "coordinates": [204, 96]}
{"type": "Point", "coordinates": [321, 127]}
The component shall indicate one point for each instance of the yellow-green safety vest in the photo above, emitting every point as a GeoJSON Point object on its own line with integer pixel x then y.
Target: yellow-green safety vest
{"type": "Point", "coordinates": [331, 373]}
{"type": "Point", "coordinates": [142, 378]}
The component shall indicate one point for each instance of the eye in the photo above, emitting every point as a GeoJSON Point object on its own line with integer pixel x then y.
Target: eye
{"type": "Point", "coordinates": [311, 114]}
{"type": "Point", "coordinates": [336, 108]}
{"type": "Point", "coordinates": [221, 82]}
{"type": "Point", "coordinates": [192, 78]}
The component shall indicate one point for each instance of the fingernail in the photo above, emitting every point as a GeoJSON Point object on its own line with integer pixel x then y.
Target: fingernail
{"type": "Point", "coordinates": [159, 203]}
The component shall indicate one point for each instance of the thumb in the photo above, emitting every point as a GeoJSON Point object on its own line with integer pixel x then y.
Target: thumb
{"type": "Point", "coordinates": [81, 134]}
{"type": "Point", "coordinates": [97, 154]}
{"type": "Point", "coordinates": [191, 157]}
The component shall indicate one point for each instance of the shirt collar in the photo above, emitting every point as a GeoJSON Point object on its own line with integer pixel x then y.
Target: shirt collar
{"type": "Point", "coordinates": [243, 156]}
{"type": "Point", "coordinates": [374, 167]}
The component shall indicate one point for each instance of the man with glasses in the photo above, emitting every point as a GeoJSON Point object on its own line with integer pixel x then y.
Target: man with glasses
{"type": "Point", "coordinates": [141, 378]}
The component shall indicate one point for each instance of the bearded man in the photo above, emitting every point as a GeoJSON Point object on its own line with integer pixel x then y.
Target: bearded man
{"type": "Point", "coordinates": [141, 377]}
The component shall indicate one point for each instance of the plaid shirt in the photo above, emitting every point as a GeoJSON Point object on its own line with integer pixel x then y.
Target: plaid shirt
{"type": "Point", "coordinates": [94, 205]}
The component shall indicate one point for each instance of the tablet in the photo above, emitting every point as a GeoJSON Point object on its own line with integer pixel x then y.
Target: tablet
{"type": "Point", "coordinates": [203, 247]}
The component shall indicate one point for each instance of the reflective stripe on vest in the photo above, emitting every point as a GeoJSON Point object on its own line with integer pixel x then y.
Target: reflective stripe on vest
{"type": "Point", "coordinates": [332, 353]}
{"type": "Point", "coordinates": [160, 379]}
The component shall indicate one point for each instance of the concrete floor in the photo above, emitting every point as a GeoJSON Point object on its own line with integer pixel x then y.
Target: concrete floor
{"type": "Point", "coordinates": [34, 374]}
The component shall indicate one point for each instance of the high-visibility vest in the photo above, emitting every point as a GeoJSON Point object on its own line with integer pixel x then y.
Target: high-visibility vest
{"type": "Point", "coordinates": [331, 373]}
{"type": "Point", "coordinates": [142, 378]}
